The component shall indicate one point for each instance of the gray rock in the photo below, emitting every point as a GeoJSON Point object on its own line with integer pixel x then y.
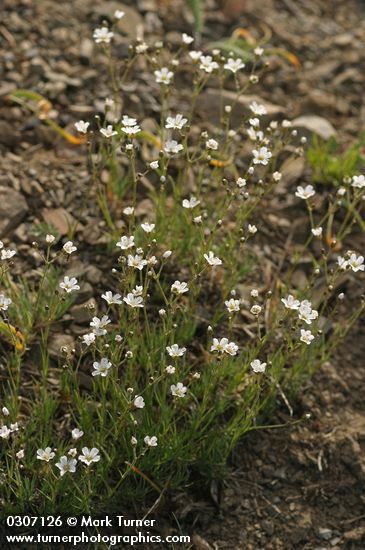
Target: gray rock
{"type": "Point", "coordinates": [315, 124]}
{"type": "Point", "coordinates": [13, 208]}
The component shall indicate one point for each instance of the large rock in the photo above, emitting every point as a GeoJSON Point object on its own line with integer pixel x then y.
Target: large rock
{"type": "Point", "coordinates": [315, 124]}
{"type": "Point", "coordinates": [13, 208]}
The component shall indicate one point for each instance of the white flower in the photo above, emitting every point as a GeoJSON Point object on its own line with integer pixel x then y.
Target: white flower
{"type": "Point", "coordinates": [7, 254]}
{"type": "Point", "coordinates": [195, 55]}
{"type": "Point", "coordinates": [108, 132]}
{"type": "Point", "coordinates": [262, 156]}
{"type": "Point", "coordinates": [306, 336]}
{"type": "Point", "coordinates": [133, 301]}
{"type": "Point", "coordinates": [241, 182]}
{"type": "Point", "coordinates": [257, 366]}
{"type": "Point", "coordinates": [234, 65]}
{"type": "Point", "coordinates": [306, 313]}
{"type": "Point", "coordinates": [164, 75]}
{"type": "Point", "coordinates": [317, 231]}
{"type": "Point", "coordinates": [175, 350]}
{"type": "Point", "coordinates": [170, 369]}
{"type": "Point", "coordinates": [111, 298]}
{"type": "Point", "coordinates": [128, 210]}
{"type": "Point", "coordinates": [89, 455]}
{"type": "Point", "coordinates": [179, 288]}
{"type": "Point", "coordinates": [69, 247]}
{"type": "Point", "coordinates": [129, 121]}
{"type": "Point", "coordinates": [45, 454]}
{"type": "Point", "coordinates": [211, 259]}
{"type": "Point", "coordinates": [172, 147]}
{"type": "Point", "coordinates": [167, 254]}
{"type": "Point", "coordinates": [5, 411]}
{"type": "Point", "coordinates": [176, 123]}
{"type": "Point", "coordinates": [102, 34]}
{"type": "Point", "coordinates": [131, 130]}
{"type": "Point", "coordinates": [358, 181]}
{"type": "Point", "coordinates": [102, 368]}
{"type": "Point", "coordinates": [179, 390]}
{"type": "Point", "coordinates": [69, 285]}
{"type": "Point", "coordinates": [252, 229]}
{"type": "Point", "coordinates": [254, 293]}
{"type": "Point", "coordinates": [232, 305]}
{"type": "Point", "coordinates": [89, 338]}
{"type": "Point", "coordinates": [341, 191]}
{"type": "Point", "coordinates": [256, 309]}
{"type": "Point", "coordinates": [154, 164]}
{"type": "Point", "coordinates": [207, 64]}
{"type": "Point", "coordinates": [286, 124]}
{"type": "Point", "coordinates": [186, 39]}
{"type": "Point", "coordinates": [150, 441]}
{"type": "Point", "coordinates": [139, 402]}
{"type": "Point", "coordinates": [219, 345]}
{"type": "Point", "coordinates": [255, 122]}
{"type": "Point", "coordinates": [50, 239]}
{"type": "Point", "coordinates": [290, 302]}
{"type": "Point", "coordinates": [20, 454]}
{"type": "Point", "coordinates": [82, 126]}
{"type": "Point", "coordinates": [125, 242]}
{"type": "Point", "coordinates": [305, 192]}
{"type": "Point", "coordinates": [138, 291]}
{"type": "Point", "coordinates": [212, 144]}
{"type": "Point", "coordinates": [133, 440]}
{"type": "Point", "coordinates": [4, 432]}
{"type": "Point", "coordinates": [258, 51]}
{"type": "Point", "coordinates": [72, 452]}
{"type": "Point", "coordinates": [231, 348]}
{"type": "Point", "coordinates": [66, 465]}
{"type": "Point", "coordinates": [4, 302]}
{"type": "Point", "coordinates": [277, 176]}
{"type": "Point", "coordinates": [356, 262]}
{"type": "Point", "coordinates": [148, 227]}
{"type": "Point", "coordinates": [142, 47]}
{"type": "Point", "coordinates": [119, 14]}
{"type": "Point", "coordinates": [190, 203]}
{"type": "Point", "coordinates": [257, 109]}
{"type": "Point", "coordinates": [99, 324]}
{"type": "Point", "coordinates": [342, 263]}
{"type": "Point", "coordinates": [137, 261]}
{"type": "Point", "coordinates": [76, 433]}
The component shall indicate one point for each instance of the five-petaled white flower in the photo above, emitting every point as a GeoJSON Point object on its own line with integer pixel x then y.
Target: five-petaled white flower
{"type": "Point", "coordinates": [358, 181]}
{"type": "Point", "coordinates": [356, 262]}
{"type": "Point", "coordinates": [89, 456]}
{"type": "Point", "coordinates": [82, 126]}
{"type": "Point", "coordinates": [4, 302]}
{"type": "Point", "coordinates": [137, 261]}
{"type": "Point", "coordinates": [190, 203]}
{"type": "Point", "coordinates": [99, 324]}
{"type": "Point", "coordinates": [176, 123]}
{"type": "Point", "coordinates": [76, 433]}
{"type": "Point", "coordinates": [102, 35]}
{"type": "Point", "coordinates": [4, 432]}
{"type": "Point", "coordinates": [306, 336]}
{"type": "Point", "coordinates": [108, 132]}
{"type": "Point", "coordinates": [89, 338]}
{"type": "Point", "coordinates": [211, 259]}
{"type": "Point", "coordinates": [195, 55]}
{"type": "Point", "coordinates": [150, 441]}
{"type": "Point", "coordinates": [219, 345]}
{"type": "Point", "coordinates": [212, 144]}
{"type": "Point", "coordinates": [172, 147]}
{"type": "Point", "coordinates": [290, 302]}
{"type": "Point", "coordinates": [119, 14]}
{"type": "Point", "coordinates": [207, 64]}
{"type": "Point", "coordinates": [186, 39]}
{"type": "Point", "coordinates": [234, 65]}
{"type": "Point", "coordinates": [261, 156]}
{"type": "Point", "coordinates": [139, 402]}
{"type": "Point", "coordinates": [178, 390]}
{"type": "Point", "coordinates": [164, 75]}
{"type": "Point", "coordinates": [257, 366]}
{"type": "Point", "coordinates": [232, 305]}
{"type": "Point", "coordinates": [7, 254]}
{"type": "Point", "coordinates": [69, 247]}
{"type": "Point", "coordinates": [317, 231]}
{"type": "Point", "coordinates": [257, 109]}
{"type": "Point", "coordinates": [133, 300]}
{"type": "Point", "coordinates": [66, 465]}
{"type": "Point", "coordinates": [179, 288]}
{"type": "Point", "coordinates": [111, 298]}
{"type": "Point", "coordinates": [305, 192]}
{"type": "Point", "coordinates": [45, 454]}
{"type": "Point", "coordinates": [306, 313]}
{"type": "Point", "coordinates": [231, 348]}
{"type": "Point", "coordinates": [148, 227]}
{"type": "Point", "coordinates": [101, 368]}
{"type": "Point", "coordinates": [175, 350]}
{"type": "Point", "coordinates": [125, 242]}
{"type": "Point", "coordinates": [69, 284]}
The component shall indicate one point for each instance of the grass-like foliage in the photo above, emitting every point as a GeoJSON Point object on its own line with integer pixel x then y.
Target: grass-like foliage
{"type": "Point", "coordinates": [186, 348]}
